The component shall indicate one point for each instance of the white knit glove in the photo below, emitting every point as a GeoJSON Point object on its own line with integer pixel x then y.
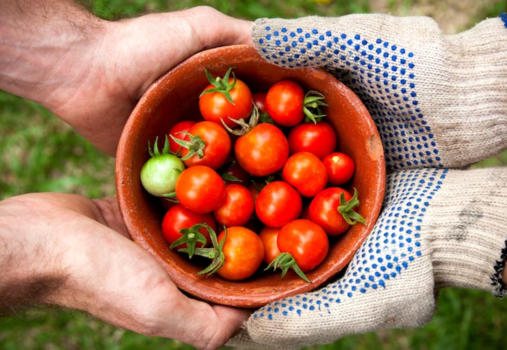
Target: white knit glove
{"type": "Point", "coordinates": [439, 228]}
{"type": "Point", "coordinates": [438, 102]}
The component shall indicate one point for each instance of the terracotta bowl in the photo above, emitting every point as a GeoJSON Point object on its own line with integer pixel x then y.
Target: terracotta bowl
{"type": "Point", "coordinates": [174, 97]}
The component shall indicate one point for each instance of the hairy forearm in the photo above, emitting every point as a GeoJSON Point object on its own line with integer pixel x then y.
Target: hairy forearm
{"type": "Point", "coordinates": [37, 232]}
{"type": "Point", "coordinates": [28, 273]}
{"type": "Point", "coordinates": [90, 72]}
{"type": "Point", "coordinates": [40, 42]}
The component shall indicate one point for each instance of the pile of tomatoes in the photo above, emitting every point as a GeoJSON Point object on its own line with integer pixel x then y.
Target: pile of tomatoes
{"type": "Point", "coordinates": [263, 162]}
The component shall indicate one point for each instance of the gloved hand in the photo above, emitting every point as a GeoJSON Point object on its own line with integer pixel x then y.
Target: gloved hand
{"type": "Point", "coordinates": [438, 101]}
{"type": "Point", "coordinates": [439, 228]}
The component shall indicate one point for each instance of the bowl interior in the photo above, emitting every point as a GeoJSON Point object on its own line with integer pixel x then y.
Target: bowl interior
{"type": "Point", "coordinates": [174, 97]}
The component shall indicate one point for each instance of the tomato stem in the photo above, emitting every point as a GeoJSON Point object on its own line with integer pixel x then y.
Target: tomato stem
{"type": "Point", "coordinates": [347, 209]}
{"type": "Point", "coordinates": [155, 152]}
{"type": "Point", "coordinates": [284, 261]}
{"type": "Point", "coordinates": [190, 236]}
{"type": "Point", "coordinates": [195, 146]}
{"type": "Point", "coordinates": [215, 253]}
{"type": "Point", "coordinates": [312, 106]}
{"type": "Point", "coordinates": [221, 84]}
{"type": "Point", "coordinates": [245, 128]}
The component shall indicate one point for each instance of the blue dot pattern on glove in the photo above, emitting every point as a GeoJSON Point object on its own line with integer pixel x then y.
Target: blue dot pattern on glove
{"type": "Point", "coordinates": [394, 244]}
{"type": "Point", "coordinates": [380, 73]}
{"type": "Point", "coordinates": [503, 16]}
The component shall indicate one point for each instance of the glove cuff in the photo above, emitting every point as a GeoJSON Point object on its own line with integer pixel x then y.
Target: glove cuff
{"type": "Point", "coordinates": [499, 288]}
{"type": "Point", "coordinates": [467, 229]}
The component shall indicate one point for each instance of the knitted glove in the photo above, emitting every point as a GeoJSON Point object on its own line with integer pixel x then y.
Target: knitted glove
{"type": "Point", "coordinates": [438, 228]}
{"type": "Point", "coordinates": [437, 100]}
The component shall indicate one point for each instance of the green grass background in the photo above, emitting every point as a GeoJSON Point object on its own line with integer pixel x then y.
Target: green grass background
{"type": "Point", "coordinates": [38, 153]}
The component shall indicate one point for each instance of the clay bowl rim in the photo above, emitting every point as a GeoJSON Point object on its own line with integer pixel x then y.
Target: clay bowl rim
{"type": "Point", "coordinates": [197, 288]}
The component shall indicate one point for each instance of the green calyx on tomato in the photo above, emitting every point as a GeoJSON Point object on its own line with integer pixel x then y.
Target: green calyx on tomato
{"type": "Point", "coordinates": [245, 128]}
{"type": "Point", "coordinates": [155, 152]}
{"type": "Point", "coordinates": [190, 236]}
{"type": "Point", "coordinates": [285, 261]}
{"type": "Point", "coordinates": [221, 84]}
{"type": "Point", "coordinates": [195, 146]}
{"type": "Point", "coordinates": [347, 209]}
{"type": "Point", "coordinates": [312, 106]}
{"type": "Point", "coordinates": [215, 253]}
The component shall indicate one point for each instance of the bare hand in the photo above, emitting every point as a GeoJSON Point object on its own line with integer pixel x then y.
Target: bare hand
{"type": "Point", "coordinates": [78, 255]}
{"type": "Point", "coordinates": [91, 72]}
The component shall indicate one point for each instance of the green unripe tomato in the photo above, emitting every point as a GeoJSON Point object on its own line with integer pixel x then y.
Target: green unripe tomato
{"type": "Point", "coordinates": [159, 174]}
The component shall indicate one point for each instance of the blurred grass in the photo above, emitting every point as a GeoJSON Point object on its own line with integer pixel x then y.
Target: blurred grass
{"type": "Point", "coordinates": [40, 153]}
{"type": "Point", "coordinates": [249, 9]}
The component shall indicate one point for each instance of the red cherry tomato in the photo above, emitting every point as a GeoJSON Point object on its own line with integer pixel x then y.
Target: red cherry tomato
{"type": "Point", "coordinates": [218, 145]}
{"type": "Point", "coordinates": [243, 251]}
{"type": "Point", "coordinates": [319, 139]}
{"type": "Point", "coordinates": [259, 99]}
{"type": "Point", "coordinates": [324, 211]}
{"type": "Point", "coordinates": [215, 107]}
{"type": "Point", "coordinates": [179, 217]}
{"type": "Point", "coordinates": [269, 237]}
{"type": "Point", "coordinates": [237, 207]}
{"type": "Point", "coordinates": [305, 241]}
{"type": "Point", "coordinates": [284, 102]}
{"type": "Point", "coordinates": [306, 173]}
{"type": "Point", "coordinates": [263, 150]}
{"type": "Point", "coordinates": [176, 131]}
{"type": "Point", "coordinates": [200, 189]}
{"type": "Point", "coordinates": [277, 204]}
{"type": "Point", "coordinates": [340, 168]}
